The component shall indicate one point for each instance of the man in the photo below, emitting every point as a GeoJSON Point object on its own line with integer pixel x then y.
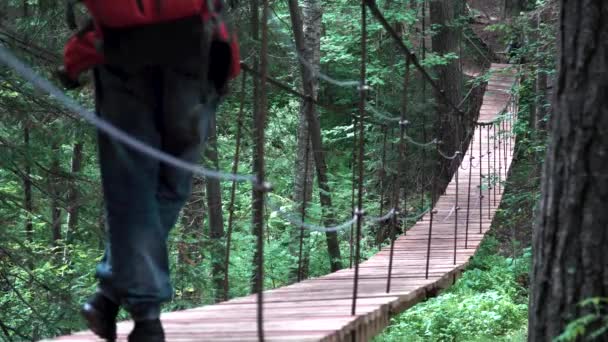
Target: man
{"type": "Point", "coordinates": [160, 67]}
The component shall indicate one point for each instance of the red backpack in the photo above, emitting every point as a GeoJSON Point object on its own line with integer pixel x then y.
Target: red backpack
{"type": "Point", "coordinates": [130, 13]}
{"type": "Point", "coordinates": [139, 32]}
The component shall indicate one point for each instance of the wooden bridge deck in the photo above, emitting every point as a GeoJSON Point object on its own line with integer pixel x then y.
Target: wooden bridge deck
{"type": "Point", "coordinates": [320, 309]}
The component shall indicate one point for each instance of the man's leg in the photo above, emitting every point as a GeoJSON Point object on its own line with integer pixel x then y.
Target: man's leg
{"type": "Point", "coordinates": [185, 127]}
{"type": "Point", "coordinates": [134, 269]}
{"type": "Point", "coordinates": [182, 126]}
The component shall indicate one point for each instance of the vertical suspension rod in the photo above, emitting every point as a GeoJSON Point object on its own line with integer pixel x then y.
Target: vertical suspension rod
{"type": "Point", "coordinates": [352, 199]}
{"type": "Point", "coordinates": [424, 138]}
{"type": "Point", "coordinates": [499, 162]}
{"type": "Point", "coordinates": [458, 161]}
{"type": "Point", "coordinates": [480, 180]}
{"type": "Point", "coordinates": [235, 169]}
{"type": "Point", "coordinates": [259, 187]}
{"type": "Point", "coordinates": [504, 146]}
{"type": "Point", "coordinates": [381, 231]}
{"type": "Point", "coordinates": [303, 207]}
{"type": "Point", "coordinates": [496, 180]}
{"type": "Point", "coordinates": [489, 153]}
{"type": "Point", "coordinates": [398, 209]}
{"type": "Point", "coordinates": [471, 157]}
{"type": "Point", "coordinates": [362, 93]}
{"type": "Point", "coordinates": [432, 216]}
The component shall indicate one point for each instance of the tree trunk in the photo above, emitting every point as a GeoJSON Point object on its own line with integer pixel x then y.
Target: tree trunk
{"type": "Point", "coordinates": [541, 79]}
{"type": "Point", "coordinates": [55, 190]}
{"type": "Point", "coordinates": [73, 195]}
{"type": "Point", "coordinates": [27, 187]}
{"type": "Point", "coordinates": [25, 8]}
{"type": "Point", "coordinates": [255, 230]}
{"type": "Point", "coordinates": [449, 129]}
{"type": "Point", "coordinates": [333, 246]}
{"type": "Point", "coordinates": [216, 219]}
{"type": "Point", "coordinates": [512, 8]}
{"type": "Point", "coordinates": [304, 175]}
{"type": "Point", "coordinates": [570, 262]}
{"type": "Point", "coordinates": [193, 221]}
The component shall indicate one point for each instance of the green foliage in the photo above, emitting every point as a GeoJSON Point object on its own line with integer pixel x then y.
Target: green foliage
{"type": "Point", "coordinates": [590, 326]}
{"type": "Point", "coordinates": [488, 301]}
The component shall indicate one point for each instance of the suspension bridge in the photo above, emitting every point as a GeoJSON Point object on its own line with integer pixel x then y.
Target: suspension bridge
{"type": "Point", "coordinates": [354, 304]}
{"type": "Point", "coordinates": [427, 258]}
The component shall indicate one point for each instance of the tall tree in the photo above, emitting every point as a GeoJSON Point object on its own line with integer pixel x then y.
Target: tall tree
{"type": "Point", "coordinates": [570, 262]}
{"type": "Point", "coordinates": [314, 129]}
{"type": "Point", "coordinates": [73, 194]}
{"type": "Point", "coordinates": [304, 172]}
{"type": "Point", "coordinates": [55, 191]}
{"type": "Point", "coordinates": [28, 202]}
{"type": "Point", "coordinates": [446, 40]}
{"type": "Point", "coordinates": [256, 229]}
{"type": "Point", "coordinates": [216, 218]}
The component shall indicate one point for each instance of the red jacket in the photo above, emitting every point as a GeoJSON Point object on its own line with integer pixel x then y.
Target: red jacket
{"type": "Point", "coordinates": [81, 51]}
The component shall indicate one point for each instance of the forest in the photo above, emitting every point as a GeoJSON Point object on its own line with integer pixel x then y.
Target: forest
{"type": "Point", "coordinates": [331, 148]}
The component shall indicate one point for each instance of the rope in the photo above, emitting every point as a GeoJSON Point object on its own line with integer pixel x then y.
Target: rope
{"type": "Point", "coordinates": [8, 59]}
{"type": "Point", "coordinates": [291, 218]}
{"type": "Point", "coordinates": [406, 51]}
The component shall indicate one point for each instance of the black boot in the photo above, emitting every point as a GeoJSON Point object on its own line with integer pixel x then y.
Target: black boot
{"type": "Point", "coordinates": [147, 331]}
{"type": "Point", "coordinates": [100, 313]}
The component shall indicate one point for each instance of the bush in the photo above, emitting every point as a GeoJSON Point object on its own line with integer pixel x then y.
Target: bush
{"type": "Point", "coordinates": [488, 300]}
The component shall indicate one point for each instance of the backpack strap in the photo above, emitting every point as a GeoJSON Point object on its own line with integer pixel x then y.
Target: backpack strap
{"type": "Point", "coordinates": [208, 27]}
{"type": "Point", "coordinates": [70, 16]}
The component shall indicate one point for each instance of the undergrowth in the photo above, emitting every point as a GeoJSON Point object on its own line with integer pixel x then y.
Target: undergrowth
{"type": "Point", "coordinates": [489, 302]}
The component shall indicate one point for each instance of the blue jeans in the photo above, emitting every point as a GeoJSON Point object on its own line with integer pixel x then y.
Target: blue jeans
{"type": "Point", "coordinates": [160, 106]}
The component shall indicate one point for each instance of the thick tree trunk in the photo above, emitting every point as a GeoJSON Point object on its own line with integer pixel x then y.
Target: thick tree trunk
{"type": "Point", "coordinates": [449, 129]}
{"type": "Point", "coordinates": [569, 243]}
{"type": "Point", "coordinates": [304, 166]}
{"type": "Point", "coordinates": [216, 218]}
{"type": "Point", "coordinates": [333, 246]}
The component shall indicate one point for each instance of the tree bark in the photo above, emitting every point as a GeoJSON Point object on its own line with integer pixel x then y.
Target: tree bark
{"type": "Point", "coordinates": [449, 129]}
{"type": "Point", "coordinates": [570, 262]}
{"type": "Point", "coordinates": [216, 218]}
{"type": "Point", "coordinates": [333, 246]}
